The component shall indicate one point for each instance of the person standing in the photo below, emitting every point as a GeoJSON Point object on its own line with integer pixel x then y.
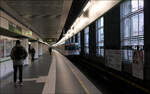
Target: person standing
{"type": "Point", "coordinates": [18, 55]}
{"type": "Point", "coordinates": [50, 50]}
{"type": "Point", "coordinates": [32, 53]}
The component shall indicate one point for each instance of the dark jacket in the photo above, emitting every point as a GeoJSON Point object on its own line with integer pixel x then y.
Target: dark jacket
{"type": "Point", "coordinates": [18, 54]}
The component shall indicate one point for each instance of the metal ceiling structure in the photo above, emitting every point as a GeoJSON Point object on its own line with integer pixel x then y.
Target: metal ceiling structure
{"type": "Point", "coordinates": [76, 8]}
{"type": "Point", "coordinates": [47, 16]}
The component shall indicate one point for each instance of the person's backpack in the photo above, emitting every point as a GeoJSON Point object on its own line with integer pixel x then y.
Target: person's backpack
{"type": "Point", "coordinates": [19, 53]}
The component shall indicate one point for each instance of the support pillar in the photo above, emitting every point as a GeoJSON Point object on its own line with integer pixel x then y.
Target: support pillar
{"type": "Point", "coordinates": [4, 47]}
{"type": "Point", "coordinates": [35, 46]}
{"type": "Point", "coordinates": [92, 42]}
{"type": "Point", "coordinates": [147, 41]}
{"type": "Point", "coordinates": [26, 46]}
{"type": "Point", "coordinates": [40, 49]}
{"type": "Point", "coordinates": [112, 29]}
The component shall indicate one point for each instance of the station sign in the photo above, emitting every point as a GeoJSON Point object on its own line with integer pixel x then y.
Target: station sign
{"type": "Point", "coordinates": [14, 29]}
{"type": "Point", "coordinates": [27, 33]}
{"type": "Point", "coordinates": [138, 64]}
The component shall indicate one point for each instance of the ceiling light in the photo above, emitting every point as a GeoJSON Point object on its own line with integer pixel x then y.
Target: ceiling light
{"type": "Point", "coordinates": [97, 7]}
{"type": "Point", "coordinates": [87, 6]}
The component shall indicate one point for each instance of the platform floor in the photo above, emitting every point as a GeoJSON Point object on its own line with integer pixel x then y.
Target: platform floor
{"type": "Point", "coordinates": [53, 74]}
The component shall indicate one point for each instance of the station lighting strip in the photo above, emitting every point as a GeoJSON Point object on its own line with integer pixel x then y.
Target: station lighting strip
{"type": "Point", "coordinates": [92, 10]}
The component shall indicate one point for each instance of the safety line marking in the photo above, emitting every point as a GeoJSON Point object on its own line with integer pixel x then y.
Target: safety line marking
{"type": "Point", "coordinates": [87, 85]}
{"type": "Point", "coordinates": [77, 77]}
{"type": "Point", "coordinates": [49, 87]}
{"type": "Point", "coordinates": [80, 81]}
{"type": "Point", "coordinates": [82, 84]}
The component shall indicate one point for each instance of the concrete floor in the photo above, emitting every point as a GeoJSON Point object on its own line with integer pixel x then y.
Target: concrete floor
{"type": "Point", "coordinates": [49, 75]}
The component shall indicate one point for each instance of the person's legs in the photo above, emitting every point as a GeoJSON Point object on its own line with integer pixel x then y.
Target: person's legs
{"type": "Point", "coordinates": [32, 56]}
{"type": "Point", "coordinates": [15, 73]}
{"type": "Point", "coordinates": [50, 51]}
{"type": "Point", "coordinates": [20, 73]}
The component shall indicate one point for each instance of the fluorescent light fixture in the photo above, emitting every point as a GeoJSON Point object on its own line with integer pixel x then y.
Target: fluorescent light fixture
{"type": "Point", "coordinates": [87, 6]}
{"type": "Point", "coordinates": [96, 9]}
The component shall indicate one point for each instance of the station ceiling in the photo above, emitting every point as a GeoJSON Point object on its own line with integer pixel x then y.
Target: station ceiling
{"type": "Point", "coordinates": [47, 16]}
{"type": "Point", "coordinates": [76, 8]}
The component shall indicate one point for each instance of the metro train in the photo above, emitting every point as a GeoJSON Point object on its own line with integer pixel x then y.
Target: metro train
{"type": "Point", "coordinates": [69, 49]}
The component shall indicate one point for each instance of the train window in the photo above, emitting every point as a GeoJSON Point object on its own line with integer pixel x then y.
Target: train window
{"type": "Point", "coordinates": [86, 40]}
{"type": "Point", "coordinates": [70, 40]}
{"type": "Point", "coordinates": [74, 38]}
{"type": "Point", "coordinates": [79, 41]}
{"type": "Point", "coordinates": [100, 37]}
{"type": "Point", "coordinates": [134, 31]}
{"type": "Point", "coordinates": [141, 24]}
{"type": "Point", "coordinates": [126, 26]}
{"type": "Point", "coordinates": [125, 8]}
{"type": "Point", "coordinates": [141, 3]}
{"type": "Point", "coordinates": [134, 4]}
{"type": "Point", "coordinates": [132, 28]}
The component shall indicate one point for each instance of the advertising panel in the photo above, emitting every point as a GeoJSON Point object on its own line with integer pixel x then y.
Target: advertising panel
{"type": "Point", "coordinates": [113, 59]}
{"type": "Point", "coordinates": [138, 64]}
{"type": "Point", "coordinates": [27, 33]}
